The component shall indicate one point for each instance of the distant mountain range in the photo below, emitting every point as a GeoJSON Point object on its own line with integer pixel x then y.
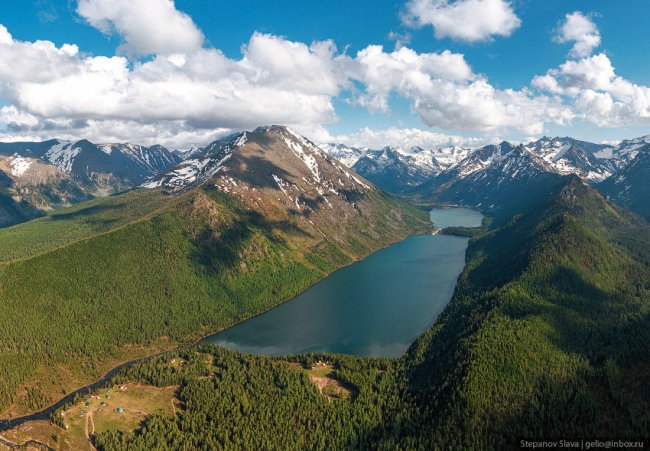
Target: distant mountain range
{"type": "Point", "coordinates": [39, 176]}
{"type": "Point", "coordinates": [495, 177]}
{"type": "Point", "coordinates": [396, 169]}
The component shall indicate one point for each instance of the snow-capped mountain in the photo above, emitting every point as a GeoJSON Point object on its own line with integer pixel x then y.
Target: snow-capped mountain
{"type": "Point", "coordinates": [630, 185]}
{"type": "Point", "coordinates": [570, 156]}
{"type": "Point", "coordinates": [40, 176]}
{"type": "Point", "coordinates": [449, 156]}
{"type": "Point", "coordinates": [30, 186]}
{"type": "Point", "coordinates": [626, 151]}
{"type": "Point", "coordinates": [106, 167]}
{"type": "Point", "coordinates": [393, 168]}
{"type": "Point", "coordinates": [345, 154]}
{"type": "Point", "coordinates": [274, 167]}
{"type": "Point", "coordinates": [396, 171]}
{"type": "Point", "coordinates": [496, 178]}
{"type": "Point", "coordinates": [277, 174]}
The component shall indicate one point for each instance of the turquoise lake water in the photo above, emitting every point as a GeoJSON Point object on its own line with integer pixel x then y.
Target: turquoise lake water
{"type": "Point", "coordinates": [375, 307]}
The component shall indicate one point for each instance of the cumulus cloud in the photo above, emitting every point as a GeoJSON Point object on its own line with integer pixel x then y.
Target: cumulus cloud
{"type": "Point", "coordinates": [463, 20]}
{"type": "Point", "coordinates": [404, 137]}
{"type": "Point", "coordinates": [599, 95]}
{"type": "Point", "coordinates": [445, 92]}
{"type": "Point", "coordinates": [165, 29]}
{"type": "Point", "coordinates": [582, 31]}
{"type": "Point", "coordinates": [590, 83]}
{"type": "Point", "coordinates": [186, 93]}
{"type": "Point", "coordinates": [203, 90]}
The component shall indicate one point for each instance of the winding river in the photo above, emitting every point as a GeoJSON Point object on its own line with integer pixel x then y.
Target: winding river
{"type": "Point", "coordinates": [375, 307]}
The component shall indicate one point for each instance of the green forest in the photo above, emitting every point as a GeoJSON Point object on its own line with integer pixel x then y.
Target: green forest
{"type": "Point", "coordinates": [107, 279]}
{"type": "Point", "coordinates": [546, 337]}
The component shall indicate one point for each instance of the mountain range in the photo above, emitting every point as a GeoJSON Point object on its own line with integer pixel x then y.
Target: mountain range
{"type": "Point", "coordinates": [501, 176]}
{"type": "Point", "coordinates": [546, 332]}
{"type": "Point", "coordinates": [36, 177]}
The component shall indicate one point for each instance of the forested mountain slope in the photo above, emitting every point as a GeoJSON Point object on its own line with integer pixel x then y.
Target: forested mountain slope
{"type": "Point", "coordinates": [546, 337]}
{"type": "Point", "coordinates": [547, 334]}
{"type": "Point", "coordinates": [87, 287]}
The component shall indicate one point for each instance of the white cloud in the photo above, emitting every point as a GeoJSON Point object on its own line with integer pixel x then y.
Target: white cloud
{"type": "Point", "coordinates": [5, 36]}
{"type": "Point", "coordinates": [445, 93]}
{"type": "Point", "coordinates": [184, 95]}
{"type": "Point", "coordinates": [403, 70]}
{"type": "Point", "coordinates": [147, 26]}
{"type": "Point", "coordinates": [599, 95]}
{"type": "Point", "coordinates": [275, 81]}
{"type": "Point", "coordinates": [580, 30]}
{"type": "Point", "coordinates": [404, 137]}
{"type": "Point", "coordinates": [463, 20]}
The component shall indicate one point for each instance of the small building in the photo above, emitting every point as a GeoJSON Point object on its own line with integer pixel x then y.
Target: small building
{"type": "Point", "coordinates": [120, 410]}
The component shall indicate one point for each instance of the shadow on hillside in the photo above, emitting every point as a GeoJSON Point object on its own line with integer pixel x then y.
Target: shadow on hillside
{"type": "Point", "coordinates": [352, 195]}
{"type": "Point", "coordinates": [100, 215]}
{"type": "Point", "coordinates": [586, 320]}
{"type": "Point", "coordinates": [313, 203]}
{"type": "Point", "coordinates": [224, 250]}
{"type": "Point", "coordinates": [6, 182]}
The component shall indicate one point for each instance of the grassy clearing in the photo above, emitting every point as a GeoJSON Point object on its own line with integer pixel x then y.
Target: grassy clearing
{"type": "Point", "coordinates": [82, 421]}
{"type": "Point", "coordinates": [323, 375]}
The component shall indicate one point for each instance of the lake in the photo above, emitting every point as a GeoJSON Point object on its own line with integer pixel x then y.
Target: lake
{"type": "Point", "coordinates": [454, 217]}
{"type": "Point", "coordinates": [375, 307]}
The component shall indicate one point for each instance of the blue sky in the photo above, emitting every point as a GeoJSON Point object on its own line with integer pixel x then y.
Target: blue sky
{"type": "Point", "coordinates": [606, 107]}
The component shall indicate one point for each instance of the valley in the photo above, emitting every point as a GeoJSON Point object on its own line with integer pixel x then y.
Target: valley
{"type": "Point", "coordinates": [558, 294]}
{"type": "Point", "coordinates": [415, 225]}
{"type": "Point", "coordinates": [375, 307]}
{"type": "Point", "coordinates": [378, 323]}
{"type": "Point", "coordinates": [167, 270]}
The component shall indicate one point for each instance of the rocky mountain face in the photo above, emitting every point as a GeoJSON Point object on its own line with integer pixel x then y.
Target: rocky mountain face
{"type": "Point", "coordinates": [40, 176]}
{"type": "Point", "coordinates": [626, 151]}
{"type": "Point", "coordinates": [497, 179]}
{"type": "Point", "coordinates": [274, 169]}
{"type": "Point", "coordinates": [345, 154]}
{"type": "Point", "coordinates": [571, 156]}
{"type": "Point", "coordinates": [395, 171]}
{"type": "Point", "coordinates": [497, 176]}
{"type": "Point", "coordinates": [630, 185]}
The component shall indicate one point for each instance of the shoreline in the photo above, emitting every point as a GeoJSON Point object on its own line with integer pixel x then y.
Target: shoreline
{"type": "Point", "coordinates": [45, 413]}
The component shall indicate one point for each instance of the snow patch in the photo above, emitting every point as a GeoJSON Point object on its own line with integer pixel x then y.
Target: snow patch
{"type": "Point", "coordinates": [62, 155]}
{"type": "Point", "coordinates": [19, 165]}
